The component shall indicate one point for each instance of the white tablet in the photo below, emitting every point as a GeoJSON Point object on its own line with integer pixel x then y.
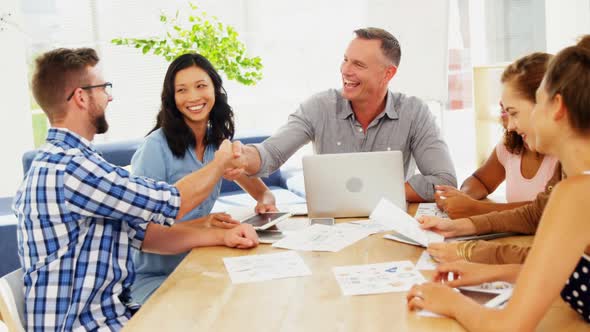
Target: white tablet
{"type": "Point", "coordinates": [265, 220]}
{"type": "Point", "coordinates": [490, 299]}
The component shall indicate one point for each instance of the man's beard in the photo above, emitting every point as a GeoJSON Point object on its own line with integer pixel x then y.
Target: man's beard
{"type": "Point", "coordinates": [101, 124]}
{"type": "Point", "coordinates": [99, 121]}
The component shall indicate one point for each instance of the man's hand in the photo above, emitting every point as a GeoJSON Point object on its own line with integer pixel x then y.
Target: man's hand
{"type": "Point", "coordinates": [243, 236]}
{"type": "Point", "coordinates": [454, 202]}
{"type": "Point", "coordinates": [267, 203]}
{"type": "Point", "coordinates": [230, 157]}
{"type": "Point", "coordinates": [447, 227]}
{"type": "Point", "coordinates": [233, 174]}
{"type": "Point", "coordinates": [225, 154]}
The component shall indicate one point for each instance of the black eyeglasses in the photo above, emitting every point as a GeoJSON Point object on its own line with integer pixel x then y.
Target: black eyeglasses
{"type": "Point", "coordinates": [108, 86]}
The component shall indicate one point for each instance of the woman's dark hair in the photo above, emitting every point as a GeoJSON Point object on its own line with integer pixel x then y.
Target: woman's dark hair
{"type": "Point", "coordinates": [525, 75]}
{"type": "Point", "coordinates": [178, 134]}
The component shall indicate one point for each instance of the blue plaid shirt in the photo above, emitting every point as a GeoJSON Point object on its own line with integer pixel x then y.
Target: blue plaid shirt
{"type": "Point", "coordinates": [78, 217]}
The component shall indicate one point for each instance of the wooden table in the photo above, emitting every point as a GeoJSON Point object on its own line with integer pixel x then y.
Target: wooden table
{"type": "Point", "coordinates": [199, 296]}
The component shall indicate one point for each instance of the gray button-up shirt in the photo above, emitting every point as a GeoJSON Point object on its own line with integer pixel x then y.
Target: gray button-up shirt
{"type": "Point", "coordinates": [328, 121]}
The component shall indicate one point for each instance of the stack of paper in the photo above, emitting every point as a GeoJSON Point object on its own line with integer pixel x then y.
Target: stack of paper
{"type": "Point", "coordinates": [377, 278]}
{"type": "Point", "coordinates": [429, 209]}
{"type": "Point", "coordinates": [322, 238]}
{"type": "Point", "coordinates": [265, 267]}
{"type": "Point", "coordinates": [388, 214]}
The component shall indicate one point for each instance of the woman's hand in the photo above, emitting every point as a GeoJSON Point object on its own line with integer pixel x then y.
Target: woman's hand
{"type": "Point", "coordinates": [447, 227]}
{"type": "Point", "coordinates": [455, 203]}
{"type": "Point", "coordinates": [444, 252]}
{"type": "Point", "coordinates": [466, 273]}
{"type": "Point", "coordinates": [438, 298]}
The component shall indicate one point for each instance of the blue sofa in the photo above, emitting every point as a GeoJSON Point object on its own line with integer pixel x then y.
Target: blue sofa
{"type": "Point", "coordinates": [8, 254]}
{"type": "Point", "coordinates": [120, 154]}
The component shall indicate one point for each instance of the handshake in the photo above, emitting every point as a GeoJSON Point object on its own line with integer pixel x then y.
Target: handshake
{"type": "Point", "coordinates": [232, 159]}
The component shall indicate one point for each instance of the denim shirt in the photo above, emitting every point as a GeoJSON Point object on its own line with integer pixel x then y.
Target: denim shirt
{"type": "Point", "coordinates": [155, 160]}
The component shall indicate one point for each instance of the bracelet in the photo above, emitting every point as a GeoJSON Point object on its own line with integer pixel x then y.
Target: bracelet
{"type": "Point", "coordinates": [482, 183]}
{"type": "Point", "coordinates": [458, 249]}
{"type": "Point", "coordinates": [465, 249]}
{"type": "Point", "coordinates": [471, 245]}
{"type": "Point", "coordinates": [461, 250]}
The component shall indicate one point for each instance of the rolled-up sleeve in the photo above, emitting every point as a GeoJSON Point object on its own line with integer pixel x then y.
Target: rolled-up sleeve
{"type": "Point", "coordinates": [275, 150]}
{"type": "Point", "coordinates": [431, 155]}
{"type": "Point", "coordinates": [94, 188]}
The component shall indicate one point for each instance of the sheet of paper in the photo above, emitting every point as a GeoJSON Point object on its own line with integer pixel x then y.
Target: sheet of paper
{"type": "Point", "coordinates": [370, 226]}
{"type": "Point", "coordinates": [321, 238]}
{"type": "Point", "coordinates": [496, 287]}
{"type": "Point", "coordinates": [429, 209]}
{"type": "Point", "coordinates": [400, 238]}
{"type": "Point", "coordinates": [426, 262]}
{"type": "Point", "coordinates": [255, 268]}
{"type": "Point", "coordinates": [426, 313]}
{"type": "Point", "coordinates": [392, 216]}
{"type": "Point", "coordinates": [378, 278]}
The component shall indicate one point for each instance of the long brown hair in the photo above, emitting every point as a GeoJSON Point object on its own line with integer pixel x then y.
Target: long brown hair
{"type": "Point", "coordinates": [569, 75]}
{"type": "Point", "coordinates": [221, 118]}
{"type": "Point", "coordinates": [525, 75]}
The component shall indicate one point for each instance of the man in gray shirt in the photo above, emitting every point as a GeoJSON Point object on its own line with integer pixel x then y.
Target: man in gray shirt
{"type": "Point", "coordinates": [364, 116]}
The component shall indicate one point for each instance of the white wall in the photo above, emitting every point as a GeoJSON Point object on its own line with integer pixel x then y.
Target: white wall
{"type": "Point", "coordinates": [16, 132]}
{"type": "Point", "coordinates": [566, 20]}
{"type": "Point", "coordinates": [421, 27]}
{"type": "Point", "coordinates": [301, 45]}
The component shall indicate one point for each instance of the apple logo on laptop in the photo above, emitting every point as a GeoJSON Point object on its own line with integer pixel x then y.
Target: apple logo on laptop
{"type": "Point", "coordinates": [354, 185]}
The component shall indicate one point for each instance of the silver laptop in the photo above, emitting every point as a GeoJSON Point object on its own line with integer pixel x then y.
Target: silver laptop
{"type": "Point", "coordinates": [351, 184]}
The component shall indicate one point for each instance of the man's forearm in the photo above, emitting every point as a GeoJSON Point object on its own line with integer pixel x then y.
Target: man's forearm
{"type": "Point", "coordinates": [253, 160]}
{"type": "Point", "coordinates": [412, 196]}
{"type": "Point", "coordinates": [253, 186]}
{"type": "Point", "coordinates": [179, 238]}
{"type": "Point", "coordinates": [423, 186]}
{"type": "Point", "coordinates": [196, 187]}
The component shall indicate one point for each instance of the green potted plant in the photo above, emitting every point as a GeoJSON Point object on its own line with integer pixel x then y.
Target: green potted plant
{"type": "Point", "coordinates": [205, 35]}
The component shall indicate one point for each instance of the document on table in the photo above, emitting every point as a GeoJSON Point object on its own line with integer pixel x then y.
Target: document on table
{"type": "Point", "coordinates": [368, 225]}
{"type": "Point", "coordinates": [321, 238]}
{"type": "Point", "coordinates": [391, 216]}
{"type": "Point", "coordinates": [426, 262]}
{"type": "Point", "coordinates": [378, 278]}
{"type": "Point", "coordinates": [255, 268]}
{"type": "Point", "coordinates": [429, 209]}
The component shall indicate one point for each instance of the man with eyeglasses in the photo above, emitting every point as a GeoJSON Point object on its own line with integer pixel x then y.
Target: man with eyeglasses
{"type": "Point", "coordinates": [100, 122]}
{"type": "Point", "coordinates": [79, 216]}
